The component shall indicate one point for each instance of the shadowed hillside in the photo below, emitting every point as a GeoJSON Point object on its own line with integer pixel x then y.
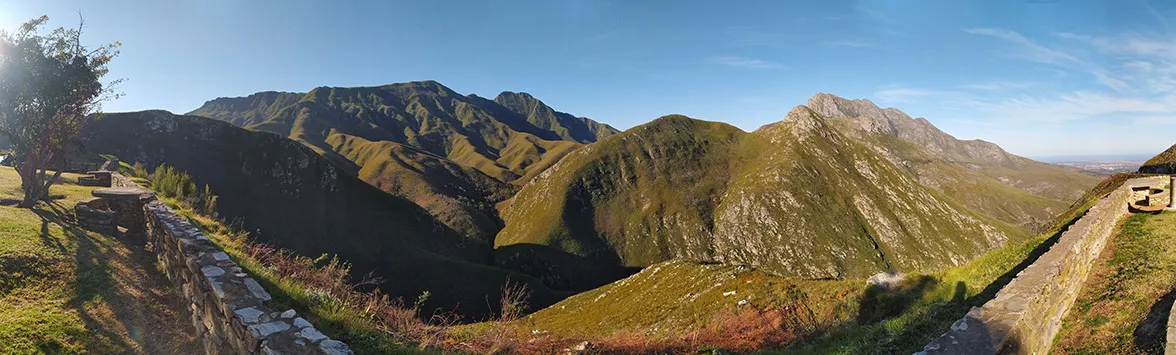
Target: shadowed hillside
{"type": "Point", "coordinates": [455, 155]}
{"type": "Point", "coordinates": [1163, 163]}
{"type": "Point", "coordinates": [795, 198]}
{"type": "Point", "coordinates": [286, 194]}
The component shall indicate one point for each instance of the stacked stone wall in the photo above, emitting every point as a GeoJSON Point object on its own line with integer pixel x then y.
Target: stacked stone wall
{"type": "Point", "coordinates": [95, 214]}
{"type": "Point", "coordinates": [231, 311]}
{"type": "Point", "coordinates": [1026, 314]}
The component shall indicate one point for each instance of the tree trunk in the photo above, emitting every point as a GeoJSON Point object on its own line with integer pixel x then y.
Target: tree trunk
{"type": "Point", "coordinates": [30, 184]}
{"type": "Point", "coordinates": [33, 181]}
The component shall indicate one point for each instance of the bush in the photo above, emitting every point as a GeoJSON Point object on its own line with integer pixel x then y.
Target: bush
{"type": "Point", "coordinates": [178, 185]}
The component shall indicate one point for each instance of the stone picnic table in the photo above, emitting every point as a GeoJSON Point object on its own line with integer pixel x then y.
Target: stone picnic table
{"type": "Point", "coordinates": [127, 203]}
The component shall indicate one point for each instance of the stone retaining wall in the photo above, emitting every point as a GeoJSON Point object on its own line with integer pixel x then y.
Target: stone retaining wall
{"type": "Point", "coordinates": [95, 214]}
{"type": "Point", "coordinates": [230, 310]}
{"type": "Point", "coordinates": [1170, 341]}
{"type": "Point", "coordinates": [1027, 313]}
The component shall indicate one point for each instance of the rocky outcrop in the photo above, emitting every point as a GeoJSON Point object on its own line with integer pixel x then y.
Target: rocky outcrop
{"type": "Point", "coordinates": [979, 174]}
{"type": "Point", "coordinates": [870, 118]}
{"type": "Point", "coordinates": [1026, 314]}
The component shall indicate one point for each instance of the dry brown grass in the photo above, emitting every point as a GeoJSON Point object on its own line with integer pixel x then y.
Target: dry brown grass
{"type": "Point", "coordinates": [741, 332]}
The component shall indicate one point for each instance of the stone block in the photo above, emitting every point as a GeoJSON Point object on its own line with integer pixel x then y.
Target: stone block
{"type": "Point", "coordinates": [263, 330]}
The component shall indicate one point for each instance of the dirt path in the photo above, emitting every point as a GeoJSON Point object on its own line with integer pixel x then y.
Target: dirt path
{"type": "Point", "coordinates": [141, 307]}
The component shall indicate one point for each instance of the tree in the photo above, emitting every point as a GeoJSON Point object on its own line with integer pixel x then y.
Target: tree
{"type": "Point", "coordinates": [49, 85]}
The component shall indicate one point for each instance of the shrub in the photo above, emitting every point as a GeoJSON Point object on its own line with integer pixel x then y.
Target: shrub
{"type": "Point", "coordinates": [178, 185]}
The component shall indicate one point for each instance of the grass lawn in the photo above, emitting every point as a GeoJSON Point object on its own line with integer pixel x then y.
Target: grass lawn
{"type": "Point", "coordinates": [66, 290]}
{"type": "Point", "coordinates": [1123, 307]}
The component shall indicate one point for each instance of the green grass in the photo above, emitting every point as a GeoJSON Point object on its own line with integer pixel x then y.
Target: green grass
{"type": "Point", "coordinates": [67, 290]}
{"type": "Point", "coordinates": [675, 297]}
{"type": "Point", "coordinates": [1123, 307]}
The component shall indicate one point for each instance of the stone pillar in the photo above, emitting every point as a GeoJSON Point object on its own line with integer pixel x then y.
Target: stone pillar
{"type": "Point", "coordinates": [127, 203]}
{"type": "Point", "coordinates": [1172, 192]}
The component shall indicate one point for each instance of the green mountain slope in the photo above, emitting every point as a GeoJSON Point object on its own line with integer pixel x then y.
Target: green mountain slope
{"type": "Point", "coordinates": [976, 173]}
{"type": "Point", "coordinates": [566, 126]}
{"type": "Point", "coordinates": [286, 194]}
{"type": "Point", "coordinates": [1163, 163]}
{"type": "Point", "coordinates": [379, 133]}
{"type": "Point", "coordinates": [795, 198]}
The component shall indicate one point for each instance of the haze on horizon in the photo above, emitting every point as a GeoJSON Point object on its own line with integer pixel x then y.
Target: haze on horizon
{"type": "Point", "coordinates": [1041, 78]}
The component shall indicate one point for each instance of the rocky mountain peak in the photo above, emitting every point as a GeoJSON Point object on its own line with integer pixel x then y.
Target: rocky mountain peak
{"type": "Point", "coordinates": [806, 123]}
{"type": "Point", "coordinates": [522, 103]}
{"type": "Point", "coordinates": [870, 118]}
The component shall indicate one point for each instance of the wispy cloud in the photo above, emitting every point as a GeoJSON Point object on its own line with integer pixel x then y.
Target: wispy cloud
{"type": "Point", "coordinates": [999, 85]}
{"type": "Point", "coordinates": [745, 63]}
{"type": "Point", "coordinates": [755, 38]}
{"type": "Point", "coordinates": [1033, 51]}
{"type": "Point", "coordinates": [856, 43]}
{"type": "Point", "coordinates": [1162, 120]}
{"type": "Point", "coordinates": [902, 94]}
{"type": "Point", "coordinates": [872, 14]}
{"type": "Point", "coordinates": [1074, 106]}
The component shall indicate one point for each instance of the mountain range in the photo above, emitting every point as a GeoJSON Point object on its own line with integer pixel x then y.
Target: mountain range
{"type": "Point", "coordinates": [455, 155]}
{"type": "Point", "coordinates": [284, 193]}
{"type": "Point", "coordinates": [478, 191]}
{"type": "Point", "coordinates": [837, 189]}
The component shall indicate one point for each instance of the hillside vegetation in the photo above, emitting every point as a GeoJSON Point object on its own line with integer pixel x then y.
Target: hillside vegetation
{"type": "Point", "coordinates": [846, 190]}
{"type": "Point", "coordinates": [977, 173]}
{"type": "Point", "coordinates": [679, 303]}
{"type": "Point", "coordinates": [796, 198]}
{"type": "Point", "coordinates": [284, 193]}
{"type": "Point", "coordinates": [455, 155]}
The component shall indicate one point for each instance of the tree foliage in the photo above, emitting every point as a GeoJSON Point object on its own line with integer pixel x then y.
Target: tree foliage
{"type": "Point", "coordinates": [49, 84]}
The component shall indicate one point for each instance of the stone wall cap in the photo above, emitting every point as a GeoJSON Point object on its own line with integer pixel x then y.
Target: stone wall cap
{"type": "Point", "coordinates": [120, 192]}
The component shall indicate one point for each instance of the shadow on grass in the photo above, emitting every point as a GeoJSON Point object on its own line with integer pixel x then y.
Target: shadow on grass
{"type": "Point", "coordinates": [1004, 279]}
{"type": "Point", "coordinates": [140, 303]}
{"type": "Point", "coordinates": [1151, 331]}
{"type": "Point", "coordinates": [869, 334]}
{"type": "Point", "coordinates": [880, 303]}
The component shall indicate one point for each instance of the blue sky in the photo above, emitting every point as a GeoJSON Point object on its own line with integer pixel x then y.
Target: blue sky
{"type": "Point", "coordinates": [1040, 78]}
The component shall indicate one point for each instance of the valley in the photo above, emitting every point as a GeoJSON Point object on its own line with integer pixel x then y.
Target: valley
{"type": "Point", "coordinates": [587, 178]}
{"type": "Point", "coordinates": [782, 224]}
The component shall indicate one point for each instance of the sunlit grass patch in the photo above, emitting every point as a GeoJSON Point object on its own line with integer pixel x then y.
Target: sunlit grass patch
{"type": "Point", "coordinates": [67, 290]}
{"type": "Point", "coordinates": [1123, 307]}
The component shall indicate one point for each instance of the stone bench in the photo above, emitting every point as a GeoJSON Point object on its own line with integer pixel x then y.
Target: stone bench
{"type": "Point", "coordinates": [96, 178]}
{"type": "Point", "coordinates": [127, 204]}
{"type": "Point", "coordinates": [94, 214]}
